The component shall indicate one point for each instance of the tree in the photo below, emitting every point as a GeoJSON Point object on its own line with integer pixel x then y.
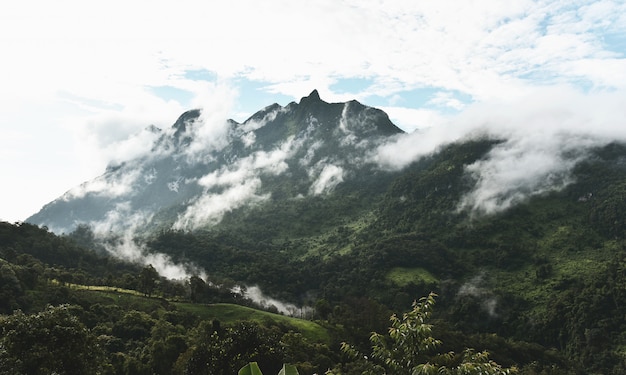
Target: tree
{"type": "Point", "coordinates": [213, 352]}
{"type": "Point", "coordinates": [196, 286]}
{"type": "Point", "coordinates": [10, 288]}
{"type": "Point", "coordinates": [147, 279]}
{"type": "Point", "coordinates": [410, 348]}
{"type": "Point", "coordinates": [134, 325]}
{"type": "Point", "coordinates": [50, 342]}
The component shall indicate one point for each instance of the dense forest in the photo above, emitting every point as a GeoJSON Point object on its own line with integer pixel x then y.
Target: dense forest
{"type": "Point", "coordinates": [69, 310]}
{"type": "Point", "coordinates": [540, 286]}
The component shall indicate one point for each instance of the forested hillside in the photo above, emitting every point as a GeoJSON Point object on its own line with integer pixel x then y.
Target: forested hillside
{"type": "Point", "coordinates": [546, 271]}
{"type": "Point", "coordinates": [313, 210]}
{"type": "Point", "coordinates": [540, 286]}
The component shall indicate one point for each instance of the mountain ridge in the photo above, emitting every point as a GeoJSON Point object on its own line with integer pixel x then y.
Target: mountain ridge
{"type": "Point", "coordinates": [293, 201]}
{"type": "Point", "coordinates": [314, 143]}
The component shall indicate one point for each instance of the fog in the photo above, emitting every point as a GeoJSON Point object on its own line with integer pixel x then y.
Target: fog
{"type": "Point", "coordinates": [542, 135]}
{"type": "Point", "coordinates": [475, 288]}
{"type": "Point", "coordinates": [256, 295]}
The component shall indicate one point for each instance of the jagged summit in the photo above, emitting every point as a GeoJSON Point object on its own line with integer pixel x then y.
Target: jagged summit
{"type": "Point", "coordinates": [192, 178]}
{"type": "Point", "coordinates": [314, 96]}
{"type": "Point", "coordinates": [184, 120]}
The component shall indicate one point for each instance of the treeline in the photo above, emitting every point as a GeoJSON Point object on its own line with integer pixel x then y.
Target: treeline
{"type": "Point", "coordinates": [51, 321]}
{"type": "Point", "coordinates": [57, 324]}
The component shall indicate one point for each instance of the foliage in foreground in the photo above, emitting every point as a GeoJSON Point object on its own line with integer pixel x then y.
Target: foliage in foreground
{"type": "Point", "coordinates": [252, 368]}
{"type": "Point", "coordinates": [410, 348]}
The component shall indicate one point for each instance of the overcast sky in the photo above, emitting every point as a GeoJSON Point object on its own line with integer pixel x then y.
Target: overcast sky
{"type": "Point", "coordinates": [77, 78]}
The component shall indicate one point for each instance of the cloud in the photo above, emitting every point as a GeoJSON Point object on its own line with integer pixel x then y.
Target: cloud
{"type": "Point", "coordinates": [234, 186]}
{"type": "Point", "coordinates": [254, 124]}
{"type": "Point", "coordinates": [328, 178]}
{"type": "Point", "coordinates": [410, 119]}
{"type": "Point", "coordinates": [521, 168]}
{"type": "Point", "coordinates": [474, 288]}
{"type": "Point", "coordinates": [310, 153]}
{"type": "Point", "coordinates": [404, 149]}
{"type": "Point", "coordinates": [416, 45]}
{"type": "Point", "coordinates": [210, 132]}
{"type": "Point", "coordinates": [211, 207]}
{"type": "Point", "coordinates": [256, 295]}
{"type": "Point", "coordinates": [73, 68]}
{"type": "Point", "coordinates": [126, 248]}
{"type": "Point", "coordinates": [108, 185]}
{"type": "Point", "coordinates": [122, 222]}
{"type": "Point", "coordinates": [446, 99]}
{"type": "Point", "coordinates": [542, 137]}
{"type": "Point", "coordinates": [121, 218]}
{"type": "Point", "coordinates": [111, 135]}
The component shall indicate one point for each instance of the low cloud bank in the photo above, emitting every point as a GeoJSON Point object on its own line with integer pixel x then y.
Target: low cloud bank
{"type": "Point", "coordinates": [128, 249]}
{"type": "Point", "coordinates": [123, 244]}
{"type": "Point", "coordinates": [256, 295]}
{"type": "Point", "coordinates": [543, 136]}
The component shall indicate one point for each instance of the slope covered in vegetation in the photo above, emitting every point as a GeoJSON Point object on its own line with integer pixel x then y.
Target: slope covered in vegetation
{"type": "Point", "coordinates": [540, 285]}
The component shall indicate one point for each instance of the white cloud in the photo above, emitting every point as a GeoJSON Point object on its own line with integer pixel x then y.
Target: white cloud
{"type": "Point", "coordinates": [328, 178]}
{"type": "Point", "coordinates": [234, 186]}
{"type": "Point", "coordinates": [404, 149]}
{"type": "Point", "coordinates": [123, 222]}
{"type": "Point", "coordinates": [409, 119]}
{"type": "Point", "coordinates": [211, 207]}
{"type": "Point", "coordinates": [446, 99]}
{"type": "Point", "coordinates": [121, 218]}
{"type": "Point", "coordinates": [86, 72]}
{"type": "Point", "coordinates": [310, 153]}
{"type": "Point", "coordinates": [543, 136]}
{"type": "Point", "coordinates": [521, 168]}
{"type": "Point", "coordinates": [248, 139]}
{"type": "Point", "coordinates": [256, 295]}
{"type": "Point", "coordinates": [110, 185]}
{"type": "Point", "coordinates": [210, 131]}
{"type": "Point", "coordinates": [268, 117]}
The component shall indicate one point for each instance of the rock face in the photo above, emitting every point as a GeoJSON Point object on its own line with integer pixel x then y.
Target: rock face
{"type": "Point", "coordinates": [197, 170]}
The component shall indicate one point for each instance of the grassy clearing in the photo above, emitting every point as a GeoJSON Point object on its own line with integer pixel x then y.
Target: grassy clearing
{"type": "Point", "coordinates": [403, 276]}
{"type": "Point", "coordinates": [100, 288]}
{"type": "Point", "coordinates": [225, 312]}
{"type": "Point", "coordinates": [230, 313]}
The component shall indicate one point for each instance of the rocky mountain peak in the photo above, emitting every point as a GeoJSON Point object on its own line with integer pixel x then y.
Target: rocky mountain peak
{"type": "Point", "coordinates": [314, 96]}
{"type": "Point", "coordinates": [304, 149]}
{"type": "Point", "coordinates": [184, 120]}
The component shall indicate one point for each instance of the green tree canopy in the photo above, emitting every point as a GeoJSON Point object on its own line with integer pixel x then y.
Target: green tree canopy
{"type": "Point", "coordinates": [50, 342]}
{"type": "Point", "coordinates": [148, 279]}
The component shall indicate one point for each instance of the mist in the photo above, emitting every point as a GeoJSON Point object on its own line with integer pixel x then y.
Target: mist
{"type": "Point", "coordinates": [475, 288]}
{"type": "Point", "coordinates": [542, 136]}
{"type": "Point", "coordinates": [233, 186]}
{"type": "Point", "coordinates": [256, 295]}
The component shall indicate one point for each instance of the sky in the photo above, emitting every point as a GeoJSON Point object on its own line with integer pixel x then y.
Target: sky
{"type": "Point", "coordinates": [78, 79]}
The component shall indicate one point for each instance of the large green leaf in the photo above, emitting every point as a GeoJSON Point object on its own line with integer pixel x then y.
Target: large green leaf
{"type": "Point", "coordinates": [251, 368]}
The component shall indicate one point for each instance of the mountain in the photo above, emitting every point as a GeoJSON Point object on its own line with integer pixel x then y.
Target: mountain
{"type": "Point", "coordinates": [201, 169]}
{"type": "Point", "coordinates": [522, 233]}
